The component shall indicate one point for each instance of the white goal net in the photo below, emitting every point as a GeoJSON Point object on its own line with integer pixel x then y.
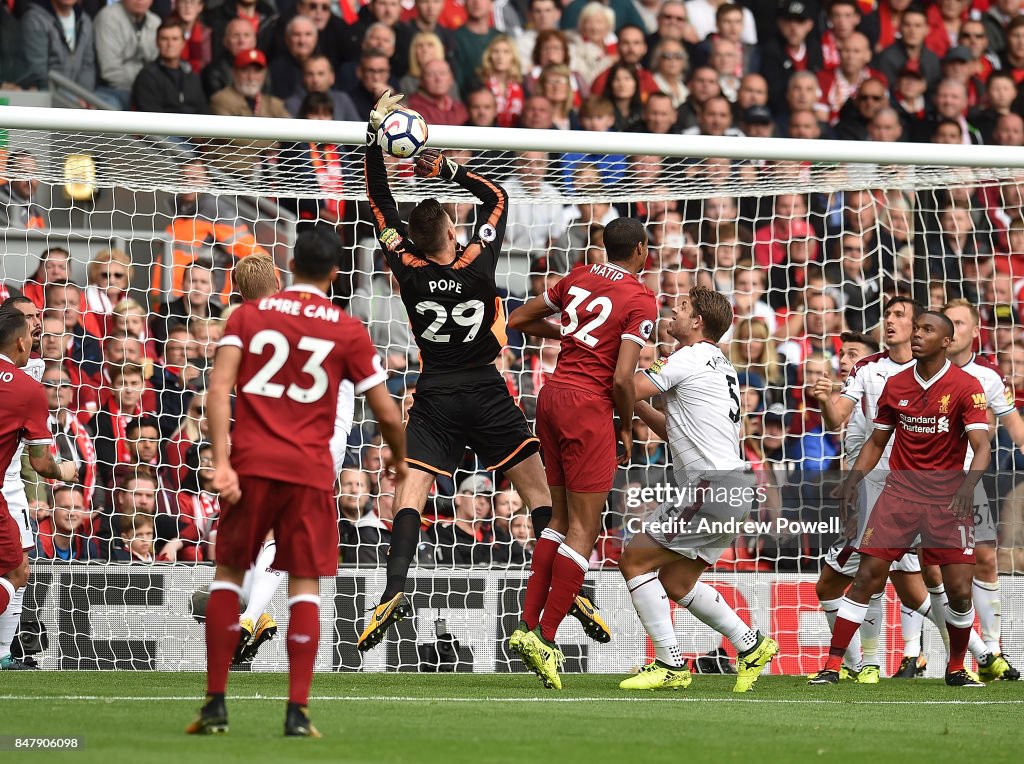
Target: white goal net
{"type": "Point", "coordinates": [125, 239]}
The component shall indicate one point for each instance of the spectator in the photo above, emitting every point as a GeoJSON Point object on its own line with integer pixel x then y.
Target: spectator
{"type": "Point", "coordinates": [841, 83]}
{"type": "Point", "coordinates": [482, 107]}
{"type": "Point", "coordinates": [71, 439]}
{"type": "Point", "coordinates": [553, 48]}
{"type": "Point", "coordinates": [168, 84]}
{"type": "Point", "coordinates": [812, 447]}
{"type": "Point", "coordinates": [472, 39]}
{"type": "Point", "coordinates": [670, 61]}
{"type": "Point", "coordinates": [109, 427]}
{"type": "Point", "coordinates": [802, 124]}
{"type": "Point", "coordinates": [843, 17]}
{"type": "Point", "coordinates": [502, 73]}
{"type": "Point", "coordinates": [658, 116]}
{"type": "Point", "coordinates": [624, 91]}
{"type": "Point", "coordinates": [58, 36]}
{"type": "Point", "coordinates": [973, 37]}
{"type": "Point", "coordinates": [193, 429]}
{"type": "Point", "coordinates": [1000, 96]}
{"type": "Point", "coordinates": [125, 42]}
{"type": "Point", "coordinates": [538, 114]}
{"type": "Point", "coordinates": [703, 17]}
{"type": "Point", "coordinates": [380, 307]}
{"type": "Point", "coordinates": [259, 15]}
{"type": "Point", "coordinates": [596, 115]}
{"type": "Point", "coordinates": [425, 46]}
{"type": "Point", "coordinates": [53, 268]}
{"type": "Point", "coordinates": [725, 59]}
{"type": "Point", "coordinates": [242, 157]}
{"type": "Point", "coordinates": [65, 301]}
{"type": "Point", "coordinates": [373, 73]}
{"type": "Point", "coordinates": [12, 66]}
{"type": "Point", "coordinates": [138, 534]}
{"type": "Point", "coordinates": [909, 51]}
{"type": "Point", "coordinates": [995, 20]}
{"type": "Point", "coordinates": [951, 104]}
{"type": "Point", "coordinates": [467, 539]}
{"type": "Point", "coordinates": [331, 31]}
{"type": "Point", "coordinates": [555, 85]}
{"type": "Point", "coordinates": [541, 16]}
{"type": "Point", "coordinates": [1009, 131]}
{"type": "Point", "coordinates": [595, 41]}
{"type": "Point", "coordinates": [198, 37]}
{"type": "Point", "coordinates": [364, 537]}
{"type": "Point", "coordinates": [715, 118]}
{"type": "Point", "coordinates": [19, 208]}
{"type": "Point", "coordinates": [748, 288]}
{"type": "Point", "coordinates": [788, 279]}
{"type": "Point", "coordinates": [703, 86]}
{"type": "Point", "coordinates": [300, 39]}
{"type": "Point", "coordinates": [624, 13]}
{"type": "Point", "coordinates": [432, 99]}
{"type": "Point", "coordinates": [389, 13]}
{"type": "Point", "coordinates": [959, 64]}
{"type": "Point", "coordinates": [198, 509]}
{"type": "Point", "coordinates": [59, 537]}
{"type": "Point", "coordinates": [770, 239]}
{"type": "Point", "coordinates": [533, 227]}
{"type": "Point", "coordinates": [944, 19]}
{"type": "Point", "coordinates": [426, 20]}
{"type": "Point", "coordinates": [857, 274]}
{"type": "Point", "coordinates": [822, 325]}
{"type": "Point", "coordinates": [318, 77]}
{"type": "Point", "coordinates": [858, 113]}
{"type": "Point", "coordinates": [791, 50]}
{"type": "Point", "coordinates": [631, 47]}
{"type": "Point", "coordinates": [752, 352]}
{"type": "Point", "coordinates": [908, 97]}
{"type": "Point", "coordinates": [885, 126]}
{"type": "Point", "coordinates": [109, 277]}
{"type": "Point", "coordinates": [757, 122]}
{"type": "Point", "coordinates": [238, 36]}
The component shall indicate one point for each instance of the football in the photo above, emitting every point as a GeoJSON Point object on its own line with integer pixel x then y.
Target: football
{"type": "Point", "coordinates": [403, 133]}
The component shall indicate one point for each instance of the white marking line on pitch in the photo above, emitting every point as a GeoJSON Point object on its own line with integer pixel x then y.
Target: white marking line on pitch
{"type": "Point", "coordinates": [413, 699]}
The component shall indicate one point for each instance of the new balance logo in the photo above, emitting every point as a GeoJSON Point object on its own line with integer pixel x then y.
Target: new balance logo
{"type": "Point", "coordinates": [302, 639]}
{"type": "Point", "coordinates": [904, 402]}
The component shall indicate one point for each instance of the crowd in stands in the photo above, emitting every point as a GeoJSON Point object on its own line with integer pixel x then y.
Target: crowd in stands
{"type": "Point", "coordinates": [126, 378]}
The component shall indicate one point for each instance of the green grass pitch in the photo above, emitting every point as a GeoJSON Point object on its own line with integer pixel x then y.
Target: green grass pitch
{"type": "Point", "coordinates": [451, 718]}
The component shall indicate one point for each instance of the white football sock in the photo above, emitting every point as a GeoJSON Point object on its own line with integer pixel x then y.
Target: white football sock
{"type": "Point", "coordinates": [871, 631]}
{"type": "Point", "coordinates": [9, 622]}
{"type": "Point", "coordinates": [852, 658]}
{"type": "Point", "coordinates": [986, 602]}
{"type": "Point", "coordinates": [708, 606]}
{"type": "Point", "coordinates": [652, 605]}
{"type": "Point", "coordinates": [936, 613]}
{"type": "Point", "coordinates": [264, 582]}
{"type": "Point", "coordinates": [911, 624]}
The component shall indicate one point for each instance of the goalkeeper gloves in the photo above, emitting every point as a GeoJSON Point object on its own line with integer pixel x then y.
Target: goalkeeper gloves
{"type": "Point", "coordinates": [384, 106]}
{"type": "Point", "coordinates": [431, 163]}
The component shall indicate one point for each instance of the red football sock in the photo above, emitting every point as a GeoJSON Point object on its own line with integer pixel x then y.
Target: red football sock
{"type": "Point", "coordinates": [842, 633]}
{"type": "Point", "coordinates": [959, 636]}
{"type": "Point", "coordinates": [539, 583]}
{"type": "Point", "coordinates": [567, 574]}
{"type": "Point", "coordinates": [222, 634]}
{"type": "Point", "coordinates": [303, 642]}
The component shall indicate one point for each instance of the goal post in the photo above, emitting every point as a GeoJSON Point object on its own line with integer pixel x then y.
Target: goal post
{"type": "Point", "coordinates": [807, 238]}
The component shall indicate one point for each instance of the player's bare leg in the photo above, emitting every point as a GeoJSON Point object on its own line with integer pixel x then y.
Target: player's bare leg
{"type": "Point", "coordinates": [411, 496]}
{"type": "Point", "coordinates": [10, 618]}
{"type": "Point", "coordinates": [550, 518]}
{"type": "Point", "coordinates": [222, 633]}
{"type": "Point", "coordinates": [853, 608]}
{"type": "Point", "coordinates": [303, 642]}
{"type": "Point", "coordinates": [830, 588]}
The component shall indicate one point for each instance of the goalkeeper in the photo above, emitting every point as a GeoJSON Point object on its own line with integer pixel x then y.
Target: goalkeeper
{"type": "Point", "coordinates": [458, 320]}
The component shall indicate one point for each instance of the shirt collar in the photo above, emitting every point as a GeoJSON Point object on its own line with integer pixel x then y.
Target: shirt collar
{"type": "Point", "coordinates": [304, 288]}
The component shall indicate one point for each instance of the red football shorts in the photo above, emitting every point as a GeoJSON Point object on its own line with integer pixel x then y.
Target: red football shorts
{"type": "Point", "coordinates": [895, 524]}
{"type": "Point", "coordinates": [304, 521]}
{"type": "Point", "coordinates": [577, 437]}
{"type": "Point", "coordinates": [11, 551]}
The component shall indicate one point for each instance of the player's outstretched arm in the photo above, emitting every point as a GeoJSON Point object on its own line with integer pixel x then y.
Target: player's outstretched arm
{"type": "Point", "coordinates": [493, 209]}
{"type": "Point", "coordinates": [42, 461]}
{"type": "Point", "coordinates": [378, 191]}
{"type": "Point", "coordinates": [218, 414]}
{"type": "Point", "coordinates": [531, 319]}
{"type": "Point", "coordinates": [389, 420]}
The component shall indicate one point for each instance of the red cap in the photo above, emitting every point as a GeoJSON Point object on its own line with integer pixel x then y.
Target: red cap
{"type": "Point", "coordinates": [252, 57]}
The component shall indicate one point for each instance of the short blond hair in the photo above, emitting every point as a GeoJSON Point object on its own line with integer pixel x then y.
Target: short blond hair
{"type": "Point", "coordinates": [960, 302]}
{"type": "Point", "coordinates": [256, 276]}
{"type": "Point", "coordinates": [98, 264]}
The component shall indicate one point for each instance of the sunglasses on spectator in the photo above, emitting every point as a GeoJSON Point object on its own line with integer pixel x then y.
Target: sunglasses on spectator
{"type": "Point", "coordinates": [114, 276]}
